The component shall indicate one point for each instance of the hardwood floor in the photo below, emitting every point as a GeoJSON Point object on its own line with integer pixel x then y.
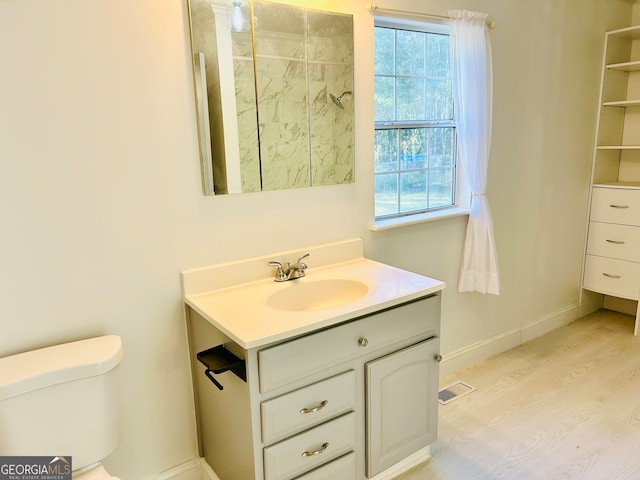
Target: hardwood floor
{"type": "Point", "coordinates": [563, 406]}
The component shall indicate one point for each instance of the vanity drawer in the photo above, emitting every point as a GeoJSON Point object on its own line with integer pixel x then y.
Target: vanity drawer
{"type": "Point", "coordinates": [615, 205]}
{"type": "Point", "coordinates": [310, 449]}
{"type": "Point", "coordinates": [614, 241]}
{"type": "Point", "coordinates": [307, 355]}
{"type": "Point", "coordinates": [290, 413]}
{"type": "Point", "coordinates": [343, 468]}
{"type": "Point", "coordinates": [619, 278]}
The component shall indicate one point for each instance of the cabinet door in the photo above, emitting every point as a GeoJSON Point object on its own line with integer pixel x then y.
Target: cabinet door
{"type": "Point", "coordinates": [402, 404]}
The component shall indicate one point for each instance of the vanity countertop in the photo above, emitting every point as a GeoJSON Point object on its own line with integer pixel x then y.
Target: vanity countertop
{"type": "Point", "coordinates": [243, 313]}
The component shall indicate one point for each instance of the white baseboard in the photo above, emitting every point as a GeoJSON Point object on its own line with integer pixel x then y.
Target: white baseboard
{"type": "Point", "coordinates": [196, 469]}
{"type": "Point", "coordinates": [550, 322]}
{"type": "Point", "coordinates": [191, 470]}
{"type": "Point", "coordinates": [411, 461]}
{"type": "Point", "coordinates": [207, 471]}
{"type": "Point", "coordinates": [484, 349]}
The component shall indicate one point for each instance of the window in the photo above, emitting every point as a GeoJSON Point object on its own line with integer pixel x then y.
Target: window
{"type": "Point", "coordinates": [415, 131]}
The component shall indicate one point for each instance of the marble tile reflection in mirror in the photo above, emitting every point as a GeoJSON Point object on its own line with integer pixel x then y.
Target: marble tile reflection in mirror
{"type": "Point", "coordinates": [267, 121]}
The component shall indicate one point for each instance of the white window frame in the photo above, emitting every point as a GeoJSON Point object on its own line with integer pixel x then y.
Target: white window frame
{"type": "Point", "coordinates": [462, 193]}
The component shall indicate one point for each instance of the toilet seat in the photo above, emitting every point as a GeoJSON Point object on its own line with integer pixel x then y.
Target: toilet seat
{"type": "Point", "coordinates": [93, 472]}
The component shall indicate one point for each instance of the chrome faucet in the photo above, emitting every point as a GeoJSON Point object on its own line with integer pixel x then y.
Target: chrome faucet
{"type": "Point", "coordinates": [291, 272]}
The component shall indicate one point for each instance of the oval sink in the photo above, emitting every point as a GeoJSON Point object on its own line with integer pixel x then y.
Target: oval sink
{"type": "Point", "coordinates": [317, 295]}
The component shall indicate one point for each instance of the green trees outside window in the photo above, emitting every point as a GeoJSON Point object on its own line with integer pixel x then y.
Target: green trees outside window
{"type": "Point", "coordinates": [415, 138]}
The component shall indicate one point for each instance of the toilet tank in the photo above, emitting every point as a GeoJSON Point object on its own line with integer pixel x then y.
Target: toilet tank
{"type": "Point", "coordinates": [61, 400]}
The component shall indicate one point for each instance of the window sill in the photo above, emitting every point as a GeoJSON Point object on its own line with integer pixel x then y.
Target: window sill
{"type": "Point", "coordinates": [398, 222]}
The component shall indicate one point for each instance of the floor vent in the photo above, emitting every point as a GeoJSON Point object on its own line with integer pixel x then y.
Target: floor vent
{"type": "Point", "coordinates": [453, 391]}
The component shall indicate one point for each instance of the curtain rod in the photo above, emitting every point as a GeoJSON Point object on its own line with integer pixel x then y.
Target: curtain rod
{"type": "Point", "coordinates": [372, 6]}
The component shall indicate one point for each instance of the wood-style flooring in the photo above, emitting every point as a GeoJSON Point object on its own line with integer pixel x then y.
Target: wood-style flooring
{"type": "Point", "coordinates": [563, 406]}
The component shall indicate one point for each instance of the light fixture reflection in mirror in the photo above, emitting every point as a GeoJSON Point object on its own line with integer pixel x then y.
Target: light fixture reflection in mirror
{"type": "Point", "coordinates": [264, 95]}
{"type": "Point", "coordinates": [238, 22]}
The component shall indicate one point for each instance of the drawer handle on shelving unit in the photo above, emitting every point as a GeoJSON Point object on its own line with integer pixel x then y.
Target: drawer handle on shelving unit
{"type": "Point", "coordinates": [610, 275]}
{"type": "Point", "coordinates": [437, 357]}
{"type": "Point", "coordinates": [618, 206]}
{"type": "Point", "coordinates": [316, 452]}
{"type": "Point", "coordinates": [315, 409]}
{"type": "Point", "coordinates": [617, 242]}
{"type": "Point", "coordinates": [363, 342]}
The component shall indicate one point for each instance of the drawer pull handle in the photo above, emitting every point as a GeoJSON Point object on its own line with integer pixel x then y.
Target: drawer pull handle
{"type": "Point", "coordinates": [316, 452]}
{"type": "Point", "coordinates": [617, 242]}
{"type": "Point", "coordinates": [611, 275]}
{"type": "Point", "coordinates": [363, 342]}
{"type": "Point", "coordinates": [314, 409]}
{"type": "Point", "coordinates": [618, 206]}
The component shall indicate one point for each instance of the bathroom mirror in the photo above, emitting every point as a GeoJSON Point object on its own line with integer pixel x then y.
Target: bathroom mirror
{"type": "Point", "coordinates": [274, 95]}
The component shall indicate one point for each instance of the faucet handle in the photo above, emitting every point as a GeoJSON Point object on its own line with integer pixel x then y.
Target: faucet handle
{"type": "Point", "coordinates": [280, 275]}
{"type": "Point", "coordinates": [301, 267]}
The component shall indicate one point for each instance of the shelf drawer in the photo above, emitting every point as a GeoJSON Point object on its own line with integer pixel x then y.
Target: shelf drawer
{"type": "Point", "coordinates": [615, 205]}
{"type": "Point", "coordinates": [614, 241]}
{"type": "Point", "coordinates": [307, 355]}
{"type": "Point", "coordinates": [618, 278]}
{"type": "Point", "coordinates": [310, 449]}
{"type": "Point", "coordinates": [343, 468]}
{"type": "Point", "coordinates": [290, 413]}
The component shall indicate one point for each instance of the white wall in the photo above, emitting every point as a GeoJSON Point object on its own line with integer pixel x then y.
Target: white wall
{"type": "Point", "coordinates": [101, 204]}
{"type": "Point", "coordinates": [547, 60]}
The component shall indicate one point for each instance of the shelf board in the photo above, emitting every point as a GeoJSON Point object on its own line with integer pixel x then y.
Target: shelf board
{"type": "Point", "coordinates": [625, 66]}
{"type": "Point", "coordinates": [631, 33]}
{"type": "Point", "coordinates": [627, 185]}
{"type": "Point", "coordinates": [622, 103]}
{"type": "Point", "coordinates": [618, 147]}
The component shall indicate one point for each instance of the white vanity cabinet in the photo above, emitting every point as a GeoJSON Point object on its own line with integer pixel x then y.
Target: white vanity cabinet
{"type": "Point", "coordinates": [343, 402]}
{"type": "Point", "coordinates": [612, 262]}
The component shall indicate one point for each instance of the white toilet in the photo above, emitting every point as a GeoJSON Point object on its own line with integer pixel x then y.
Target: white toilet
{"type": "Point", "coordinates": [61, 400]}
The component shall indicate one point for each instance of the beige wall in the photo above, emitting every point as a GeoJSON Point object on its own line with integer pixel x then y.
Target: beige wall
{"type": "Point", "coordinates": [636, 12]}
{"type": "Point", "coordinates": [101, 203]}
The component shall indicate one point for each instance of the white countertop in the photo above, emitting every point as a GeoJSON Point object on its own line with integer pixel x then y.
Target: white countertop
{"type": "Point", "coordinates": [243, 314]}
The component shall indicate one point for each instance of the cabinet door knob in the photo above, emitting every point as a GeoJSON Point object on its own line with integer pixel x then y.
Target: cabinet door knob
{"type": "Point", "coordinates": [437, 357]}
{"type": "Point", "coordinates": [363, 342]}
{"type": "Point", "coordinates": [315, 409]}
{"type": "Point", "coordinates": [316, 452]}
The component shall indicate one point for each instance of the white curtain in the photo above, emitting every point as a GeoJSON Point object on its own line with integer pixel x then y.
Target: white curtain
{"type": "Point", "coordinates": [471, 54]}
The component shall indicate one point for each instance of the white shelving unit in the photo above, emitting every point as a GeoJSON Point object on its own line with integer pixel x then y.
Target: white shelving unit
{"type": "Point", "coordinates": [612, 267]}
